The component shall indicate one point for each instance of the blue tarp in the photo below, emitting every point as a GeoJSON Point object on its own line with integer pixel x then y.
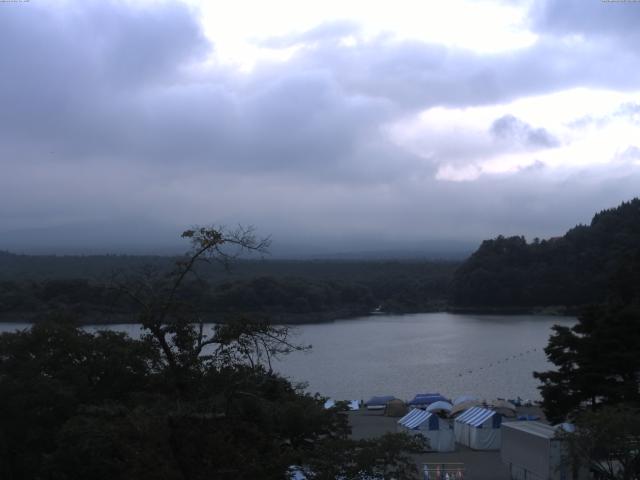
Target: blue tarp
{"type": "Point", "coordinates": [427, 399]}
{"type": "Point", "coordinates": [378, 401]}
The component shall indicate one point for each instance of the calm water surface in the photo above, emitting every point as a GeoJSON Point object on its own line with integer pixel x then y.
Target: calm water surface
{"type": "Point", "coordinates": [490, 356]}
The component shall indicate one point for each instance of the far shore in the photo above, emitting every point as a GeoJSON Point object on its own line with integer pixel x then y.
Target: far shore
{"type": "Point", "coordinates": [288, 318]}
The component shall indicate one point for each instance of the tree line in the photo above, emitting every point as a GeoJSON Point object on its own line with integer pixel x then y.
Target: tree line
{"type": "Point", "coordinates": [355, 289]}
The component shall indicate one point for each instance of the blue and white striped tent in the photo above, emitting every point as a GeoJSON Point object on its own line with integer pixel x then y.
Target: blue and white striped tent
{"type": "Point", "coordinates": [478, 428]}
{"type": "Point", "coordinates": [438, 431]}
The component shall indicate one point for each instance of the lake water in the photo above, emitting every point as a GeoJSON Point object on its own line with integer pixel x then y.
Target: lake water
{"type": "Point", "coordinates": [486, 355]}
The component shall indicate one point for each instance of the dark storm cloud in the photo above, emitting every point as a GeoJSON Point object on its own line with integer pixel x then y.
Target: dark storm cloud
{"type": "Point", "coordinates": [108, 81]}
{"type": "Point", "coordinates": [71, 75]}
{"type": "Point", "coordinates": [511, 129]}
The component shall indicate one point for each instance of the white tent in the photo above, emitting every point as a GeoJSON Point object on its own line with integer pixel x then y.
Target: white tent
{"type": "Point", "coordinates": [465, 398]}
{"type": "Point", "coordinates": [440, 406]}
{"type": "Point", "coordinates": [438, 431]}
{"type": "Point", "coordinates": [478, 428]}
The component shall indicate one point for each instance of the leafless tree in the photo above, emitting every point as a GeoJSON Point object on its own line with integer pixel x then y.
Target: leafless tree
{"type": "Point", "coordinates": [176, 326]}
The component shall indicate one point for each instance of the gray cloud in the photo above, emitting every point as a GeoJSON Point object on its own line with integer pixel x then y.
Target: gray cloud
{"type": "Point", "coordinates": [333, 217]}
{"type": "Point", "coordinates": [328, 31]}
{"type": "Point", "coordinates": [536, 166]}
{"type": "Point", "coordinates": [103, 119]}
{"type": "Point", "coordinates": [591, 18]}
{"type": "Point", "coordinates": [74, 74]}
{"type": "Point", "coordinates": [313, 111]}
{"type": "Point", "coordinates": [629, 111]}
{"type": "Point", "coordinates": [511, 129]}
{"type": "Point", "coordinates": [630, 154]}
{"type": "Point", "coordinates": [415, 75]}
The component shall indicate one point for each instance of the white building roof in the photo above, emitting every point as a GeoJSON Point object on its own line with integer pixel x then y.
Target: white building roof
{"type": "Point", "coordinates": [534, 428]}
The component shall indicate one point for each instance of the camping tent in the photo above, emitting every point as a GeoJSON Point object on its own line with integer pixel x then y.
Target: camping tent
{"type": "Point", "coordinates": [437, 430]}
{"type": "Point", "coordinates": [465, 398]}
{"type": "Point", "coordinates": [379, 403]}
{"type": "Point", "coordinates": [440, 406]}
{"type": "Point", "coordinates": [425, 399]}
{"type": "Point", "coordinates": [533, 450]}
{"type": "Point", "coordinates": [461, 407]}
{"type": "Point", "coordinates": [478, 428]}
{"type": "Point", "coordinates": [395, 408]}
{"type": "Point", "coordinates": [503, 407]}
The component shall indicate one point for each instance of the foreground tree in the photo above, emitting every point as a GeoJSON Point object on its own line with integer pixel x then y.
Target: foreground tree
{"type": "Point", "coordinates": [598, 362]}
{"type": "Point", "coordinates": [51, 373]}
{"type": "Point", "coordinates": [183, 402]}
{"type": "Point", "coordinates": [597, 381]}
{"type": "Point", "coordinates": [387, 457]}
{"type": "Point", "coordinates": [607, 442]}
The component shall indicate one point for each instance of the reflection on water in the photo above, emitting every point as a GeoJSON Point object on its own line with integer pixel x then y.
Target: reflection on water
{"type": "Point", "coordinates": [405, 354]}
{"type": "Point", "coordinates": [434, 352]}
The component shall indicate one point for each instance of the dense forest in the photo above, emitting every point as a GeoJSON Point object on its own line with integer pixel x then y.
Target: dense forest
{"type": "Point", "coordinates": [283, 291]}
{"type": "Point", "coordinates": [573, 270]}
{"type": "Point", "coordinates": [504, 274]}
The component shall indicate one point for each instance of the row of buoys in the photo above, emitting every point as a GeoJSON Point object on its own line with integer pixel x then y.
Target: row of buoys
{"type": "Point", "coordinates": [503, 360]}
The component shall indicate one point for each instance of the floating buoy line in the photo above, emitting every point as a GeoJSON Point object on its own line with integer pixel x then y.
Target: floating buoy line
{"type": "Point", "coordinates": [501, 361]}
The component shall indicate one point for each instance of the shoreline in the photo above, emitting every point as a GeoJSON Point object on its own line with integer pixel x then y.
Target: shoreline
{"type": "Point", "coordinates": [288, 318]}
{"type": "Point", "coordinates": [551, 310]}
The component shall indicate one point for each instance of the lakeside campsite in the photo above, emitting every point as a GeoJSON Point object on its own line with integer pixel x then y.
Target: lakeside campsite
{"type": "Point", "coordinates": [473, 442]}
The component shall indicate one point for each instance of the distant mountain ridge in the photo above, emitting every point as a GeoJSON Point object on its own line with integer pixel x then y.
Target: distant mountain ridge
{"type": "Point", "coordinates": [579, 268]}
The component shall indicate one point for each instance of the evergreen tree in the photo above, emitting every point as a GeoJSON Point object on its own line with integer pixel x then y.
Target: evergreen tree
{"type": "Point", "coordinates": [598, 362]}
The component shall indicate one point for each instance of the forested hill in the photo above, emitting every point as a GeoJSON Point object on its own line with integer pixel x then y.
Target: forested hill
{"type": "Point", "coordinates": [577, 269]}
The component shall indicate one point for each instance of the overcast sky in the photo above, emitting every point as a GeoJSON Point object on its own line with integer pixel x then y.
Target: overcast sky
{"type": "Point", "coordinates": [332, 126]}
